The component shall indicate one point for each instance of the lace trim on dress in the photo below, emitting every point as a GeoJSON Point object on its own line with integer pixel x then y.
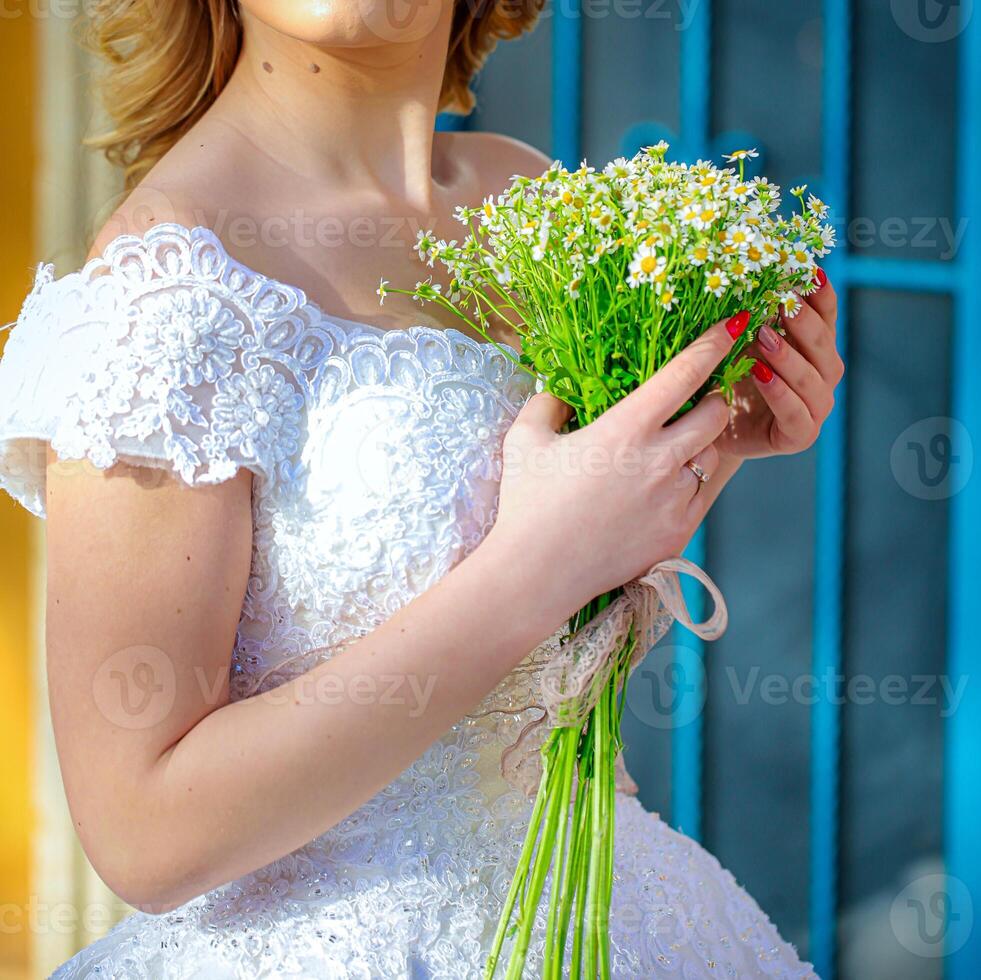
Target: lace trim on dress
{"type": "Point", "coordinates": [167, 352]}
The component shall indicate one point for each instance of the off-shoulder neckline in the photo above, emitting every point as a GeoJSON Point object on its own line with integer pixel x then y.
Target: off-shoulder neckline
{"type": "Point", "coordinates": [191, 232]}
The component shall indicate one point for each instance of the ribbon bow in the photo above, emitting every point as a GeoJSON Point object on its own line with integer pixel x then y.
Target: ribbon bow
{"type": "Point", "coordinates": [571, 679]}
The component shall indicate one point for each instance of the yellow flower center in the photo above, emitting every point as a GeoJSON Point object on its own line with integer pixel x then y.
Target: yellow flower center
{"type": "Point", "coordinates": [648, 264]}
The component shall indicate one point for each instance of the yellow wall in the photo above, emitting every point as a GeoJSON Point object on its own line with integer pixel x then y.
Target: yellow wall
{"type": "Point", "coordinates": [17, 64]}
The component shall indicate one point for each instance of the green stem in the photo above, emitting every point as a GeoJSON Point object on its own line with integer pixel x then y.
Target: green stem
{"type": "Point", "coordinates": [598, 841]}
{"type": "Point", "coordinates": [543, 860]}
{"type": "Point", "coordinates": [517, 882]}
{"type": "Point", "coordinates": [554, 942]}
{"type": "Point", "coordinates": [575, 970]}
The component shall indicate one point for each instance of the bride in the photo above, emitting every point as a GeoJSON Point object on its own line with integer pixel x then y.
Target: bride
{"type": "Point", "coordinates": [280, 698]}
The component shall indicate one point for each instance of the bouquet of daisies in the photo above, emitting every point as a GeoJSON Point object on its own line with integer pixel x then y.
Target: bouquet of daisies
{"type": "Point", "coordinates": [605, 276]}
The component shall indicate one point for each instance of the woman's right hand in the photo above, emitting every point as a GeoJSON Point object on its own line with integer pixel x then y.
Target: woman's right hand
{"type": "Point", "coordinates": [598, 507]}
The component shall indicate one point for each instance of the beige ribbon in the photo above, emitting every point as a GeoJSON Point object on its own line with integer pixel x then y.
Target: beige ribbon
{"type": "Point", "coordinates": [572, 678]}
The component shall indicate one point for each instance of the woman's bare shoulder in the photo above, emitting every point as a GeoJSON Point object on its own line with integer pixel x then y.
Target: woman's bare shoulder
{"type": "Point", "coordinates": [191, 185]}
{"type": "Point", "coordinates": [497, 157]}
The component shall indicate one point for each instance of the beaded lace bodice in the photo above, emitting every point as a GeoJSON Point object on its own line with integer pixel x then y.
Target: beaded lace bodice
{"type": "Point", "coordinates": [376, 458]}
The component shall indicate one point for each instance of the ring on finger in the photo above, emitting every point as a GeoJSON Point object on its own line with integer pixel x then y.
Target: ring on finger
{"type": "Point", "coordinates": [700, 473]}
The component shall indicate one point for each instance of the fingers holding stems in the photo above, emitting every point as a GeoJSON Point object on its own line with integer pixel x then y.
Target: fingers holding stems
{"type": "Point", "coordinates": [659, 398]}
{"type": "Point", "coordinates": [796, 374]}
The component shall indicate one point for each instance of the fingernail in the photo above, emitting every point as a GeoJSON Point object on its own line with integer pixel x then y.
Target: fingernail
{"type": "Point", "coordinates": [769, 339]}
{"type": "Point", "coordinates": [762, 373]}
{"type": "Point", "coordinates": [820, 278]}
{"type": "Point", "coordinates": [736, 325]}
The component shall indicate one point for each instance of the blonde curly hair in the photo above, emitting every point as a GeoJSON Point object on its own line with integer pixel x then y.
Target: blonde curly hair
{"type": "Point", "coordinates": [167, 62]}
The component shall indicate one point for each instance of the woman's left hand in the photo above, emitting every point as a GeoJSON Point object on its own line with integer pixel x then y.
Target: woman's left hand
{"type": "Point", "coordinates": [781, 407]}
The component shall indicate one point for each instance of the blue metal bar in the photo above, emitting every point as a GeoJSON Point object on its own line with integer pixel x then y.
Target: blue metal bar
{"type": "Point", "coordinates": [452, 122]}
{"type": "Point", "coordinates": [567, 82]}
{"type": "Point", "coordinates": [899, 274]}
{"type": "Point", "coordinates": [962, 745]}
{"type": "Point", "coordinates": [696, 70]}
{"type": "Point", "coordinates": [687, 740]}
{"type": "Point", "coordinates": [830, 516]}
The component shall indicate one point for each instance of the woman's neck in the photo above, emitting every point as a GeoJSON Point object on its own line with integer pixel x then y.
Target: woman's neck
{"type": "Point", "coordinates": [363, 115]}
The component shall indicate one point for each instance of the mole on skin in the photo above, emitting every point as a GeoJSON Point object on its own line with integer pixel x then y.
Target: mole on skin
{"type": "Point", "coordinates": [267, 67]}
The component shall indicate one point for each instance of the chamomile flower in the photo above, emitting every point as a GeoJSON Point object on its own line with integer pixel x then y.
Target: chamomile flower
{"type": "Point", "coordinates": [827, 236]}
{"type": "Point", "coordinates": [754, 256]}
{"type": "Point", "coordinates": [716, 281]}
{"type": "Point", "coordinates": [689, 213]}
{"type": "Point", "coordinates": [601, 217]}
{"type": "Point", "coordinates": [739, 269]}
{"type": "Point", "coordinates": [700, 214]}
{"type": "Point", "coordinates": [739, 237]}
{"type": "Point", "coordinates": [572, 236]}
{"type": "Point", "coordinates": [798, 257]}
{"type": "Point", "coordinates": [818, 206]}
{"type": "Point", "coordinates": [382, 291]}
{"type": "Point", "coordinates": [635, 278]}
{"type": "Point", "coordinates": [740, 192]}
{"type": "Point", "coordinates": [620, 169]}
{"type": "Point", "coordinates": [791, 304]}
{"type": "Point", "coordinates": [647, 264]}
{"type": "Point", "coordinates": [488, 211]}
{"type": "Point", "coordinates": [427, 291]}
{"type": "Point", "coordinates": [599, 250]}
{"type": "Point", "coordinates": [771, 253]}
{"type": "Point", "coordinates": [425, 244]}
{"type": "Point", "coordinates": [741, 155]}
{"type": "Point", "coordinates": [502, 273]}
{"type": "Point", "coordinates": [700, 254]}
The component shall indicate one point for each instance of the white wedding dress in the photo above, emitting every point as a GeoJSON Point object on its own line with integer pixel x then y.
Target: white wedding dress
{"type": "Point", "coordinates": [376, 457]}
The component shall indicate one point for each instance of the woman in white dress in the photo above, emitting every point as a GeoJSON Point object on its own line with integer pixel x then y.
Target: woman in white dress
{"type": "Point", "coordinates": [281, 697]}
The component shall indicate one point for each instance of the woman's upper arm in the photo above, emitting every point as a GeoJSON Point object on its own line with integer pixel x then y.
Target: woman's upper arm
{"type": "Point", "coordinates": [146, 579]}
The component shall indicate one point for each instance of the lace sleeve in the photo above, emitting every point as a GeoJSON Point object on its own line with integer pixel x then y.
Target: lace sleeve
{"type": "Point", "coordinates": [163, 367]}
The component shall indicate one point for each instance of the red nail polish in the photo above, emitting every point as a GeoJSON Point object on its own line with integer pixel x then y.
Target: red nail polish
{"type": "Point", "coordinates": [821, 278]}
{"type": "Point", "coordinates": [736, 325]}
{"type": "Point", "coordinates": [762, 373]}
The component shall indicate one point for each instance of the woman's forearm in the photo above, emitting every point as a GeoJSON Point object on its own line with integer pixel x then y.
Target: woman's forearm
{"type": "Point", "coordinates": [258, 778]}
